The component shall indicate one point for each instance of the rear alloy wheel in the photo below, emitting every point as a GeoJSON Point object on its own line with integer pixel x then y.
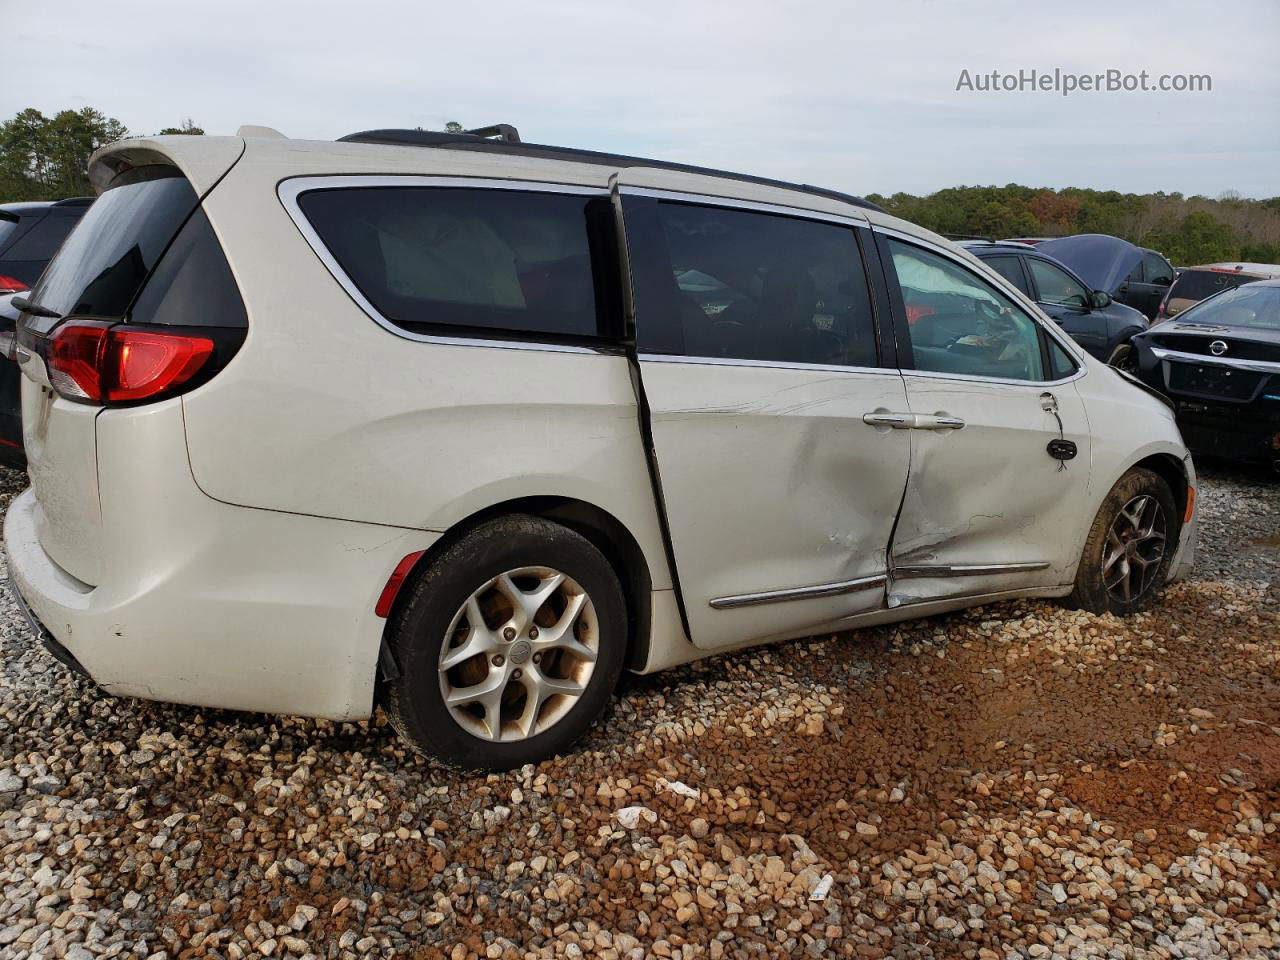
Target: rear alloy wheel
{"type": "Point", "coordinates": [509, 645]}
{"type": "Point", "coordinates": [1129, 548]}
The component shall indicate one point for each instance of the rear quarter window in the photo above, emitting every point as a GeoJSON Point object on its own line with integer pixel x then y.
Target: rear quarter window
{"type": "Point", "coordinates": [454, 260]}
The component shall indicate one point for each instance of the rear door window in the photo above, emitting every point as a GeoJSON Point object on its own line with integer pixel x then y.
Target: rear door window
{"type": "Point", "coordinates": [530, 264]}
{"type": "Point", "coordinates": [718, 282]}
{"type": "Point", "coordinates": [1157, 268]}
{"type": "Point", "coordinates": [1010, 269]}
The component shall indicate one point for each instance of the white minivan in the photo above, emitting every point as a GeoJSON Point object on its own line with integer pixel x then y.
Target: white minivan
{"type": "Point", "coordinates": [464, 427]}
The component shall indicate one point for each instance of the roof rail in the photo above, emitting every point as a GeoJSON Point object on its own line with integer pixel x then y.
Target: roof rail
{"type": "Point", "coordinates": [967, 236]}
{"type": "Point", "coordinates": [482, 140]}
{"type": "Point", "coordinates": [74, 202]}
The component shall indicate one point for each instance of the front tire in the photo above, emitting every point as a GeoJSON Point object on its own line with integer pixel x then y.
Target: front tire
{"type": "Point", "coordinates": [509, 645]}
{"type": "Point", "coordinates": [1129, 548]}
{"type": "Point", "coordinates": [1125, 358]}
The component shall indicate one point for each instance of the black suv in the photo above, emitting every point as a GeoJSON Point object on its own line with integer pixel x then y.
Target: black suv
{"type": "Point", "coordinates": [1090, 317]}
{"type": "Point", "coordinates": [30, 234]}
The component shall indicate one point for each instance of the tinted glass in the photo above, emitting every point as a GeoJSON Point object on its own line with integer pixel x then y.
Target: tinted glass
{"type": "Point", "coordinates": [1252, 305]}
{"type": "Point", "coordinates": [1199, 284]}
{"type": "Point", "coordinates": [715, 282]}
{"type": "Point", "coordinates": [7, 229]}
{"type": "Point", "coordinates": [1136, 274]}
{"type": "Point", "coordinates": [1157, 268]}
{"type": "Point", "coordinates": [103, 263]}
{"type": "Point", "coordinates": [1060, 363]}
{"type": "Point", "coordinates": [193, 285]}
{"type": "Point", "coordinates": [42, 241]}
{"type": "Point", "coordinates": [445, 257]}
{"type": "Point", "coordinates": [1010, 269]}
{"type": "Point", "coordinates": [958, 323]}
{"type": "Point", "coordinates": [1056, 285]}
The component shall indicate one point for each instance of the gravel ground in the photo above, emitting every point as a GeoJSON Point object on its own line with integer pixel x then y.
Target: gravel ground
{"type": "Point", "coordinates": [1013, 781]}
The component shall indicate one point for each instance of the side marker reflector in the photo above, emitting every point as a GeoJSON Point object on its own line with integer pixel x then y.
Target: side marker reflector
{"type": "Point", "coordinates": [394, 583]}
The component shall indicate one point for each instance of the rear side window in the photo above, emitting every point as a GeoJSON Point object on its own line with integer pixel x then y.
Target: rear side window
{"type": "Point", "coordinates": [192, 286]}
{"type": "Point", "coordinates": [42, 241]}
{"type": "Point", "coordinates": [1157, 268]}
{"type": "Point", "coordinates": [1010, 269]}
{"type": "Point", "coordinates": [1199, 284]}
{"type": "Point", "coordinates": [454, 259]}
{"type": "Point", "coordinates": [725, 283]}
{"type": "Point", "coordinates": [102, 265]}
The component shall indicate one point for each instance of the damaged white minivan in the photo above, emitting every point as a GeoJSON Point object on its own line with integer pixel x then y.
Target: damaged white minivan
{"type": "Point", "coordinates": [465, 427]}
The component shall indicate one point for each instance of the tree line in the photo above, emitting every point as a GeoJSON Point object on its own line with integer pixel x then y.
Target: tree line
{"type": "Point", "coordinates": [1187, 230]}
{"type": "Point", "coordinates": [45, 158]}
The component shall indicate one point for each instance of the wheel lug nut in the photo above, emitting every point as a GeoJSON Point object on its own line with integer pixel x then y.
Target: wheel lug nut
{"type": "Point", "coordinates": [533, 633]}
{"type": "Point", "coordinates": [509, 633]}
{"type": "Point", "coordinates": [499, 660]}
{"type": "Point", "coordinates": [515, 674]}
{"type": "Point", "coordinates": [537, 658]}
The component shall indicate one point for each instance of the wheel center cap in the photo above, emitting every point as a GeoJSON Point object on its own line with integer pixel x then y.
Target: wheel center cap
{"type": "Point", "coordinates": [1131, 548]}
{"type": "Point", "coordinates": [520, 651]}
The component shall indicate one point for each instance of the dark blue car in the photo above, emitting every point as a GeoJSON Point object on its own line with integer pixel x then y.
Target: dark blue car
{"type": "Point", "coordinates": [1076, 299]}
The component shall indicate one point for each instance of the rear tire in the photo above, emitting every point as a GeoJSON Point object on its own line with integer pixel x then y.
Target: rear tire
{"type": "Point", "coordinates": [1129, 548]}
{"type": "Point", "coordinates": [509, 645]}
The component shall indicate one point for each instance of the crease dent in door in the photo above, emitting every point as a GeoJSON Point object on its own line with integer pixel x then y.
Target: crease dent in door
{"type": "Point", "coordinates": [980, 506]}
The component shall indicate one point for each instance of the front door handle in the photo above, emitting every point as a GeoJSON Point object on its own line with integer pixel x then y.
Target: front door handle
{"type": "Point", "coordinates": [912, 421]}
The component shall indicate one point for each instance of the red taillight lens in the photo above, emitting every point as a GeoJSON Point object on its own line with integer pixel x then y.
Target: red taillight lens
{"type": "Point", "coordinates": [10, 284]}
{"type": "Point", "coordinates": [97, 362]}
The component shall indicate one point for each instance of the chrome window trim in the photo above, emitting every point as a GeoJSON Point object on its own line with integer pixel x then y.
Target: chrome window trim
{"type": "Point", "coordinates": [767, 364]}
{"type": "Point", "coordinates": [1073, 349]}
{"type": "Point", "coordinates": [834, 589]}
{"type": "Point", "coordinates": [911, 571]}
{"type": "Point", "coordinates": [753, 206]}
{"type": "Point", "coordinates": [1253, 366]}
{"type": "Point", "coordinates": [289, 190]}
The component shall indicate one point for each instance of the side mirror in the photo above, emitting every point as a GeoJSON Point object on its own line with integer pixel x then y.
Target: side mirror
{"type": "Point", "coordinates": [1099, 299]}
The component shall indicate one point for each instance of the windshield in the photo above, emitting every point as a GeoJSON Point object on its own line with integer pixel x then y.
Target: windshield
{"type": "Point", "coordinates": [1252, 305]}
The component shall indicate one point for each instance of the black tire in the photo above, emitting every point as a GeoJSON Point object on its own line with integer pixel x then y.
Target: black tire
{"type": "Point", "coordinates": [414, 701]}
{"type": "Point", "coordinates": [1091, 592]}
{"type": "Point", "coordinates": [1125, 358]}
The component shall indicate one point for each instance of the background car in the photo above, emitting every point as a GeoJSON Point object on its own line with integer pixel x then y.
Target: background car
{"type": "Point", "coordinates": [1089, 316]}
{"type": "Point", "coordinates": [1194, 284]}
{"type": "Point", "coordinates": [1219, 362]}
{"type": "Point", "coordinates": [30, 234]}
{"type": "Point", "coordinates": [1145, 287]}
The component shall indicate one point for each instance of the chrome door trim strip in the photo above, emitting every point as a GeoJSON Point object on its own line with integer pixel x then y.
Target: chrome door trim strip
{"type": "Point", "coordinates": [916, 570]}
{"type": "Point", "coordinates": [767, 364]}
{"type": "Point", "coordinates": [716, 200]}
{"type": "Point", "coordinates": [800, 593]}
{"type": "Point", "coordinates": [291, 189]}
{"type": "Point", "coordinates": [1253, 366]}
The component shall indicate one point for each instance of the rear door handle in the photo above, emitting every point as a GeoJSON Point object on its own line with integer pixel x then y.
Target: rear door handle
{"type": "Point", "coordinates": [938, 421]}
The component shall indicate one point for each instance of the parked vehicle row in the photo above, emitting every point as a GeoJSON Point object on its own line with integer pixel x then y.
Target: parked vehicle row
{"type": "Point", "coordinates": [1195, 284]}
{"type": "Point", "coordinates": [469, 426]}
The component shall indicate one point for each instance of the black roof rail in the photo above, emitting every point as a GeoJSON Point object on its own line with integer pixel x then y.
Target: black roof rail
{"type": "Point", "coordinates": [74, 202]}
{"type": "Point", "coordinates": [481, 139]}
{"type": "Point", "coordinates": [968, 236]}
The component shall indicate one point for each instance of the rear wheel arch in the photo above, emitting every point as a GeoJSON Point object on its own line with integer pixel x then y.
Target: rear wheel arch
{"type": "Point", "coordinates": [602, 529]}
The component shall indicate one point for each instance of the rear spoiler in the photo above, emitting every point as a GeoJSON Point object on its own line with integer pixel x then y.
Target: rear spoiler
{"type": "Point", "coordinates": [6, 215]}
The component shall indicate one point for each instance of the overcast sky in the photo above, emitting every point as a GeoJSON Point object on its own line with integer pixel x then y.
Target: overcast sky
{"type": "Point", "coordinates": [858, 95]}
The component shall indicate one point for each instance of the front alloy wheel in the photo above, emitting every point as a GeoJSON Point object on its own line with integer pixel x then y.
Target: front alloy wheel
{"type": "Point", "coordinates": [1129, 548]}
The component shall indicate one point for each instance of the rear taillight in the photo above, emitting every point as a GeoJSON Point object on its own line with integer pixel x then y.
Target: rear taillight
{"type": "Point", "coordinates": [96, 362]}
{"type": "Point", "coordinates": [10, 284]}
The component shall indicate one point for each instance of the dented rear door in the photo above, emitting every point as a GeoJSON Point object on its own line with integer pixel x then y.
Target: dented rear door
{"type": "Point", "coordinates": [758, 357]}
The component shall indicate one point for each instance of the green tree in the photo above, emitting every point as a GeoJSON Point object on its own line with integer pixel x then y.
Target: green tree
{"type": "Point", "coordinates": [47, 158]}
{"type": "Point", "coordinates": [453, 126]}
{"type": "Point", "coordinates": [188, 128]}
{"type": "Point", "coordinates": [1198, 238]}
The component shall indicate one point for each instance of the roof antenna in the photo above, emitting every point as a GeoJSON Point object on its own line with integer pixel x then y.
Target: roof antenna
{"type": "Point", "coordinates": [502, 131]}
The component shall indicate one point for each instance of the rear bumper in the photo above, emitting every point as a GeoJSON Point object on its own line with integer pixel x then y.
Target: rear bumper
{"type": "Point", "coordinates": [206, 603]}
